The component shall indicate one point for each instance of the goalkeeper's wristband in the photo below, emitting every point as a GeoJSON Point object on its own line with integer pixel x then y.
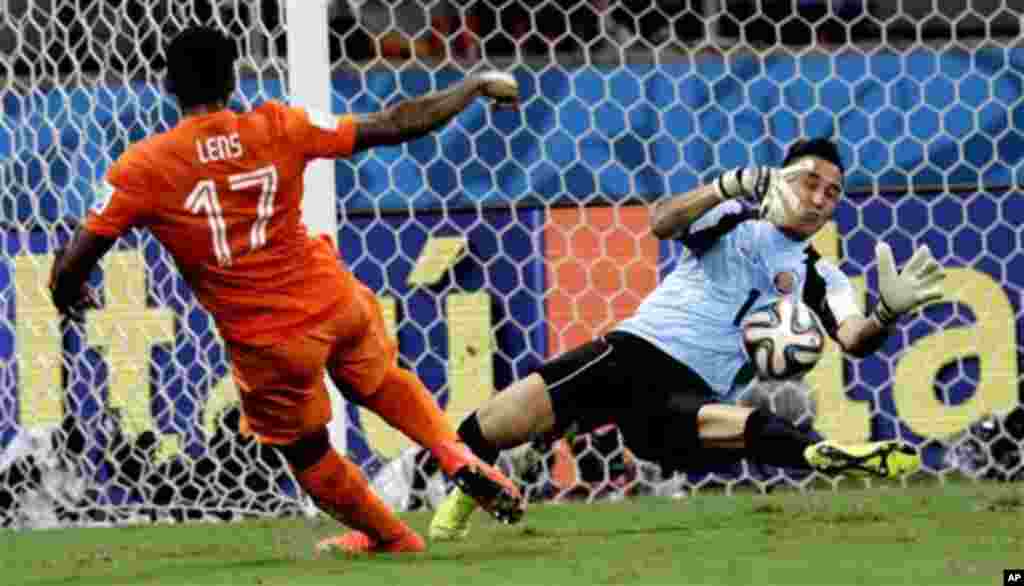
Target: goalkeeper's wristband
{"type": "Point", "coordinates": [729, 184]}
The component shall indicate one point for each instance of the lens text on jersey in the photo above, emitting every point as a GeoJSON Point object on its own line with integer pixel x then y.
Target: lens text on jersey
{"type": "Point", "coordinates": [220, 147]}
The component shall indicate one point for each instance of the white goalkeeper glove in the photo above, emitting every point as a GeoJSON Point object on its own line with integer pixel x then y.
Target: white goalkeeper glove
{"type": "Point", "coordinates": [767, 186]}
{"type": "Point", "coordinates": [781, 205]}
{"type": "Point", "coordinates": [914, 286]}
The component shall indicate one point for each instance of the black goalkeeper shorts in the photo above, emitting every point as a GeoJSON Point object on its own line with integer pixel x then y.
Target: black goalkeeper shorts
{"type": "Point", "coordinates": [624, 379]}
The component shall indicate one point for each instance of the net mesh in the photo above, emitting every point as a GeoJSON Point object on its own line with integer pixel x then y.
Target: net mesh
{"type": "Point", "coordinates": [507, 238]}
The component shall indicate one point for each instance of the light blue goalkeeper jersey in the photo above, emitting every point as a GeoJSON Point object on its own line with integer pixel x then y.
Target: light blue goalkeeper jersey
{"type": "Point", "coordinates": [734, 262]}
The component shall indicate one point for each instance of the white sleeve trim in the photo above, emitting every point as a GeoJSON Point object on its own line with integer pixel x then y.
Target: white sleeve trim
{"type": "Point", "coordinates": [322, 120]}
{"type": "Point", "coordinates": [103, 193]}
{"type": "Point", "coordinates": [839, 292]}
{"type": "Point", "coordinates": [843, 304]}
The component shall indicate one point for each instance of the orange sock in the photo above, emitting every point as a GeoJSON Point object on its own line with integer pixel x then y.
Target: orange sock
{"type": "Point", "coordinates": [404, 402]}
{"type": "Point", "coordinates": [339, 488]}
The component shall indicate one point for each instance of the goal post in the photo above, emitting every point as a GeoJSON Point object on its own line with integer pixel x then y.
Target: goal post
{"type": "Point", "coordinates": [309, 86]}
{"type": "Point", "coordinates": [507, 237]}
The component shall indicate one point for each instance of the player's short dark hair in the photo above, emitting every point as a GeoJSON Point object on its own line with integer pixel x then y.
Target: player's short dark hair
{"type": "Point", "coordinates": [201, 66]}
{"type": "Point", "coordinates": [820, 147]}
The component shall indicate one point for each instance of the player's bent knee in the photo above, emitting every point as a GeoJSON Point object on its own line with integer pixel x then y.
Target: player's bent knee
{"type": "Point", "coordinates": [307, 450]}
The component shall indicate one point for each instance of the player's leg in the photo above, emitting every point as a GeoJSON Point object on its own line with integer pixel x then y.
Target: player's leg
{"type": "Point", "coordinates": [582, 393]}
{"type": "Point", "coordinates": [680, 423]}
{"type": "Point", "coordinates": [770, 439]}
{"type": "Point", "coordinates": [406, 404]}
{"type": "Point", "coordinates": [285, 404]}
{"type": "Point", "coordinates": [363, 365]}
{"type": "Point", "coordinates": [577, 389]}
{"type": "Point", "coordinates": [507, 420]}
{"type": "Point", "coordinates": [760, 434]}
{"type": "Point", "coordinates": [521, 412]}
{"type": "Point", "coordinates": [338, 487]}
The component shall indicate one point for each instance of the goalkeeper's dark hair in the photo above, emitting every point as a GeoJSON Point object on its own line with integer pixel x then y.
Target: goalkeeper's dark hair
{"type": "Point", "coordinates": [820, 147]}
{"type": "Point", "coordinates": [201, 67]}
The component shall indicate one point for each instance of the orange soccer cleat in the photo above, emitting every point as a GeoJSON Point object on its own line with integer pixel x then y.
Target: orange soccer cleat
{"type": "Point", "coordinates": [357, 542]}
{"type": "Point", "coordinates": [494, 492]}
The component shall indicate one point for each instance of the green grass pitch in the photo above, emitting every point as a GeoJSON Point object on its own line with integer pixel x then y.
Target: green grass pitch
{"type": "Point", "coordinates": [934, 535]}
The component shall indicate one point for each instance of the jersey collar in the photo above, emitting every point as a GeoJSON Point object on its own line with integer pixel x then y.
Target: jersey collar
{"type": "Point", "coordinates": [196, 118]}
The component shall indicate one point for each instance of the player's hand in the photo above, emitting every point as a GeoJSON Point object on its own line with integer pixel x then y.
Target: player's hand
{"type": "Point", "coordinates": [914, 286]}
{"type": "Point", "coordinates": [87, 298]}
{"type": "Point", "coordinates": [781, 204]}
{"type": "Point", "coordinates": [71, 306]}
{"type": "Point", "coordinates": [500, 87]}
{"type": "Point", "coordinates": [74, 307]}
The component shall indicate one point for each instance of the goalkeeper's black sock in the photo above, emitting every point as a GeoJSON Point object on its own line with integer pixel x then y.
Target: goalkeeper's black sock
{"type": "Point", "coordinates": [771, 440]}
{"type": "Point", "coordinates": [471, 434]}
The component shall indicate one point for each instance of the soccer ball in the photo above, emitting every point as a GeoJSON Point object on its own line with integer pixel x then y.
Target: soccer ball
{"type": "Point", "coordinates": [784, 339]}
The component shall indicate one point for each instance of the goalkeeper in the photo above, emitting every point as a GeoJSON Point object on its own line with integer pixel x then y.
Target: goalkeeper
{"type": "Point", "coordinates": [669, 375]}
{"type": "Point", "coordinates": [222, 191]}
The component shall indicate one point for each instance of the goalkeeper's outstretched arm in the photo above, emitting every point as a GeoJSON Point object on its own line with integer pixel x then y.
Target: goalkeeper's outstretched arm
{"type": "Point", "coordinates": [900, 293]}
{"type": "Point", "coordinates": [671, 217]}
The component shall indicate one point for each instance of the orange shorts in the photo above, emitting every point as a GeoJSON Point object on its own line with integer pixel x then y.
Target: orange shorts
{"type": "Point", "coordinates": [282, 388]}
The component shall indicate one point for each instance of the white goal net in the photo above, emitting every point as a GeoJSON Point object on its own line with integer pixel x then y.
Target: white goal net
{"type": "Point", "coordinates": [507, 238]}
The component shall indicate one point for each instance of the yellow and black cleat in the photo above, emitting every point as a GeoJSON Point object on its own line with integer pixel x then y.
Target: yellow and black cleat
{"type": "Point", "coordinates": [451, 520]}
{"type": "Point", "coordinates": [888, 459]}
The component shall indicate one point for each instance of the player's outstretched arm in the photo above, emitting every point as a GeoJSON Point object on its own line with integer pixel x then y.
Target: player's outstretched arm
{"type": "Point", "coordinates": [416, 117]}
{"type": "Point", "coordinates": [765, 186]}
{"type": "Point", "coordinates": [70, 271]}
{"type": "Point", "coordinates": [899, 293]}
{"type": "Point", "coordinates": [672, 217]}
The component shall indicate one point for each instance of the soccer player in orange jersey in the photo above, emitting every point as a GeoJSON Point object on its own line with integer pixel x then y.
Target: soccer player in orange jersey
{"type": "Point", "coordinates": [222, 191]}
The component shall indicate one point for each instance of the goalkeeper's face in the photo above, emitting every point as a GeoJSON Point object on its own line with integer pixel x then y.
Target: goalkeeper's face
{"type": "Point", "coordinates": [818, 191]}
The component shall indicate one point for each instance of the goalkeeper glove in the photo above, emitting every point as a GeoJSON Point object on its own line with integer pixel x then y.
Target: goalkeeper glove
{"type": "Point", "coordinates": [768, 186]}
{"type": "Point", "coordinates": [781, 205]}
{"type": "Point", "coordinates": [914, 286]}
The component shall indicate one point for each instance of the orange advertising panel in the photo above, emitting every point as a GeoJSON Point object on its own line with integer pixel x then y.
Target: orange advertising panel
{"type": "Point", "coordinates": [601, 262]}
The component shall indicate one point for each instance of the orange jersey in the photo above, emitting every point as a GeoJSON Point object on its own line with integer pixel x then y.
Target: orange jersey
{"type": "Point", "coordinates": [223, 193]}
